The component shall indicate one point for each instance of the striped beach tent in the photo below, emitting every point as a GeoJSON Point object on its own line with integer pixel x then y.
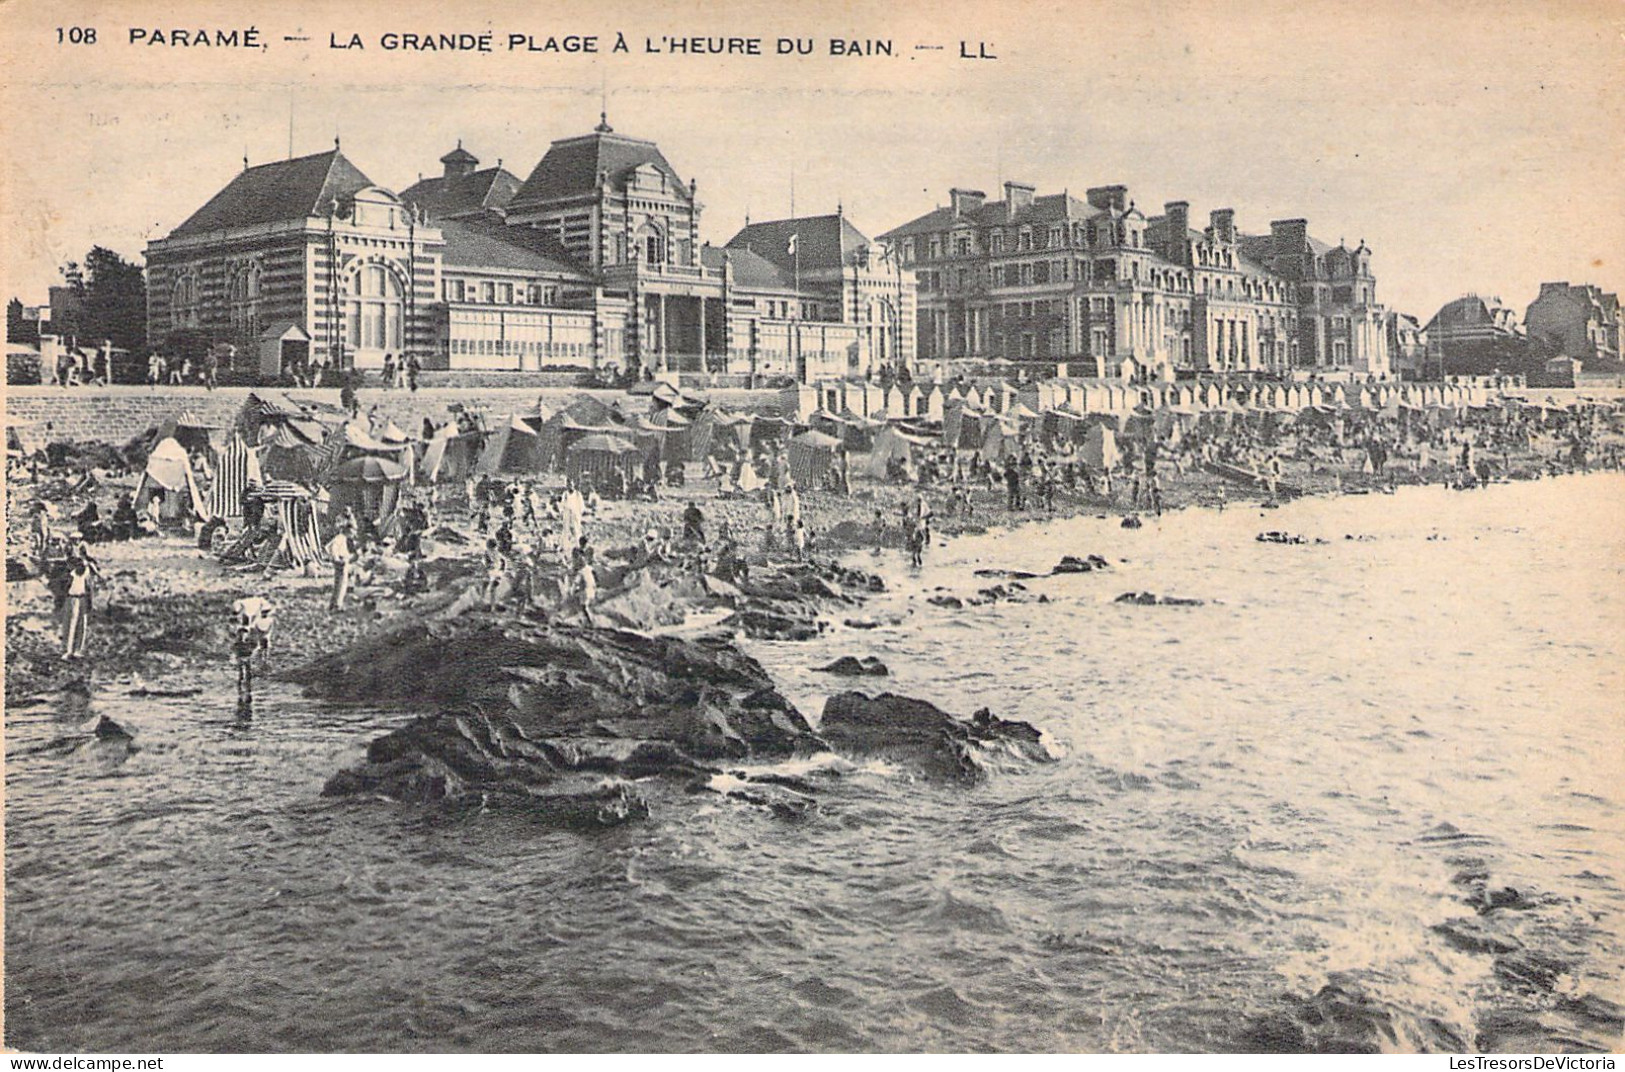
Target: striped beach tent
{"type": "Point", "coordinates": [236, 468]}
{"type": "Point", "coordinates": [299, 537]}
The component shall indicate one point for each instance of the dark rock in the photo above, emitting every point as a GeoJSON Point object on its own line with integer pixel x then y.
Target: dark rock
{"type": "Point", "coordinates": [950, 602]}
{"type": "Point", "coordinates": [531, 702]}
{"type": "Point", "coordinates": [925, 737]}
{"type": "Point", "coordinates": [851, 666]}
{"type": "Point", "coordinates": [1071, 564]}
{"type": "Point", "coordinates": [1131, 522]}
{"type": "Point", "coordinates": [1151, 599]}
{"type": "Point", "coordinates": [1008, 574]}
{"type": "Point", "coordinates": [760, 623]}
{"type": "Point", "coordinates": [1471, 936]}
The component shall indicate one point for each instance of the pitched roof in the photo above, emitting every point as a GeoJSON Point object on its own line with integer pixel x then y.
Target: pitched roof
{"type": "Point", "coordinates": [571, 166]}
{"type": "Point", "coordinates": [487, 242]}
{"type": "Point", "coordinates": [460, 155]}
{"type": "Point", "coordinates": [1045, 209]}
{"type": "Point", "coordinates": [453, 195]}
{"type": "Point", "coordinates": [751, 270]}
{"type": "Point", "coordinates": [271, 193]}
{"type": "Point", "coordinates": [821, 242]}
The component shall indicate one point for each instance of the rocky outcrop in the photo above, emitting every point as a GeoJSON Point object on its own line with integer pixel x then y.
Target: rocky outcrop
{"type": "Point", "coordinates": [853, 666]}
{"type": "Point", "coordinates": [925, 738]}
{"type": "Point", "coordinates": [1072, 564]}
{"type": "Point", "coordinates": [1151, 599]}
{"type": "Point", "coordinates": [531, 682]}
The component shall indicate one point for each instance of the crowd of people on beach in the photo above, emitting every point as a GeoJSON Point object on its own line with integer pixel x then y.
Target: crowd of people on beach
{"type": "Point", "coordinates": [531, 536]}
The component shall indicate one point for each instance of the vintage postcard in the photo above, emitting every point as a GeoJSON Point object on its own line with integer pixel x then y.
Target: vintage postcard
{"type": "Point", "coordinates": [813, 528]}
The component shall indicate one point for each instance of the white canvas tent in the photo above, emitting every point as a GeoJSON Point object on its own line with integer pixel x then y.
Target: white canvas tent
{"type": "Point", "coordinates": [169, 471]}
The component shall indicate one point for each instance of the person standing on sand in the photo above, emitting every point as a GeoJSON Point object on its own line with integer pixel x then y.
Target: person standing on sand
{"type": "Point", "coordinates": [1012, 483]}
{"type": "Point", "coordinates": [496, 568]}
{"type": "Point", "coordinates": [339, 550]}
{"type": "Point", "coordinates": [82, 575]}
{"type": "Point", "coordinates": [586, 582]}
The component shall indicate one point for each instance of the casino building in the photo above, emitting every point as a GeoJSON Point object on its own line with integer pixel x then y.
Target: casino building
{"type": "Point", "coordinates": [592, 262]}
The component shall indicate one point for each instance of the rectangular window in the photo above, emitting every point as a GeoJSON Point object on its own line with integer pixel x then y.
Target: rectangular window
{"type": "Point", "coordinates": [1041, 272]}
{"type": "Point", "coordinates": [962, 245]}
{"type": "Point", "coordinates": [488, 292]}
{"type": "Point", "coordinates": [505, 293]}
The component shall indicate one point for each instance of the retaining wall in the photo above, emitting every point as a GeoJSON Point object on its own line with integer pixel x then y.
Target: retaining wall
{"type": "Point", "coordinates": [115, 414]}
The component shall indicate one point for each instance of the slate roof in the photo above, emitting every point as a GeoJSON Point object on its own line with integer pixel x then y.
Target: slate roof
{"type": "Point", "coordinates": [488, 242]}
{"type": "Point", "coordinates": [822, 242]}
{"type": "Point", "coordinates": [571, 166]}
{"type": "Point", "coordinates": [454, 195]}
{"type": "Point", "coordinates": [1046, 209]}
{"type": "Point", "coordinates": [272, 193]}
{"type": "Point", "coordinates": [751, 270]}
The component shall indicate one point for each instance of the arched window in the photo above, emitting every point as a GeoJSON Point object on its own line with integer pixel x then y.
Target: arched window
{"type": "Point", "coordinates": [373, 309]}
{"type": "Point", "coordinates": [183, 311]}
{"type": "Point", "coordinates": [245, 298]}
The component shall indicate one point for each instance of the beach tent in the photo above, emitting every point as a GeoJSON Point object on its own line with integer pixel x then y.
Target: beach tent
{"type": "Point", "coordinates": [290, 436]}
{"type": "Point", "coordinates": [192, 432]}
{"type": "Point", "coordinates": [450, 456]}
{"type": "Point", "coordinates": [584, 416]}
{"type": "Point", "coordinates": [1099, 449]}
{"type": "Point", "coordinates": [769, 430]}
{"type": "Point", "coordinates": [596, 456]}
{"type": "Point", "coordinates": [811, 456]}
{"type": "Point", "coordinates": [894, 444]}
{"type": "Point", "coordinates": [169, 471]}
{"type": "Point", "coordinates": [22, 437]}
{"type": "Point", "coordinates": [353, 440]}
{"type": "Point", "coordinates": [513, 447]}
{"type": "Point", "coordinates": [370, 486]}
{"type": "Point", "coordinates": [718, 431]}
{"type": "Point", "coordinates": [236, 470]}
{"type": "Point", "coordinates": [676, 435]}
{"type": "Point", "coordinates": [297, 539]}
{"type": "Point", "coordinates": [798, 402]}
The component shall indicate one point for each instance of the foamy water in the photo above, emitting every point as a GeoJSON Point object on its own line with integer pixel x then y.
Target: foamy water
{"type": "Point", "coordinates": [1300, 783]}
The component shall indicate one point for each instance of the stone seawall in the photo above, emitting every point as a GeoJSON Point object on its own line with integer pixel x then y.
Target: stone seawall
{"type": "Point", "coordinates": [115, 414]}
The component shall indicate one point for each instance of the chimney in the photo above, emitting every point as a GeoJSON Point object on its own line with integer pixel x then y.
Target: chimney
{"type": "Point", "coordinates": [1017, 196]}
{"type": "Point", "coordinates": [1108, 197]}
{"type": "Point", "coordinates": [966, 202]}
{"type": "Point", "coordinates": [1223, 221]}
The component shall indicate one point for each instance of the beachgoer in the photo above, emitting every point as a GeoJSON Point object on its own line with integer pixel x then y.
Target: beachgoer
{"type": "Point", "coordinates": [82, 575]}
{"type": "Point", "coordinates": [339, 550]}
{"type": "Point", "coordinates": [496, 568]}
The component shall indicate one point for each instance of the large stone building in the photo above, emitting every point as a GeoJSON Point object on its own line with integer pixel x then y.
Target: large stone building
{"type": "Point", "coordinates": [593, 261]}
{"type": "Point", "coordinates": [1098, 285]}
{"type": "Point", "coordinates": [1407, 346]}
{"type": "Point", "coordinates": [1476, 336]}
{"type": "Point", "coordinates": [1581, 321]}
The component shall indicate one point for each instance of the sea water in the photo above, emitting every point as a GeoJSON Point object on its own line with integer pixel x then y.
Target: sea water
{"type": "Point", "coordinates": [1311, 784]}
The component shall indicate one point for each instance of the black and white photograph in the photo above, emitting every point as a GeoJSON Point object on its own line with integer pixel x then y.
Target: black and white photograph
{"type": "Point", "coordinates": [829, 528]}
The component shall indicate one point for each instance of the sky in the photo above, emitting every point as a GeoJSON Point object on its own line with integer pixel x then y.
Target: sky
{"type": "Point", "coordinates": [1475, 147]}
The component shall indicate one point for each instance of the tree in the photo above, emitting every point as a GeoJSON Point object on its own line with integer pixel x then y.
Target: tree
{"type": "Point", "coordinates": [115, 301]}
{"type": "Point", "coordinates": [19, 328]}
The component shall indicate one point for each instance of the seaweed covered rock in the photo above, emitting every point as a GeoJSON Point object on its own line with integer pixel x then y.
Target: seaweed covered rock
{"type": "Point", "coordinates": [541, 689]}
{"type": "Point", "coordinates": [855, 666]}
{"type": "Point", "coordinates": [926, 738]}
